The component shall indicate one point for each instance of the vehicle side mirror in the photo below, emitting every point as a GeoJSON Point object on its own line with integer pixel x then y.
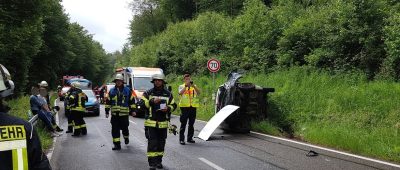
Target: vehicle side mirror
{"type": "Point", "coordinates": [169, 88]}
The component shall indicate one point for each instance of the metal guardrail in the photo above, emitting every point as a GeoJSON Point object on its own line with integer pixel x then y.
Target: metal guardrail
{"type": "Point", "coordinates": [33, 120]}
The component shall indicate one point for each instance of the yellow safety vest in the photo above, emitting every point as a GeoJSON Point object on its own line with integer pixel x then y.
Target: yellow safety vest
{"type": "Point", "coordinates": [13, 138]}
{"type": "Point", "coordinates": [189, 98]}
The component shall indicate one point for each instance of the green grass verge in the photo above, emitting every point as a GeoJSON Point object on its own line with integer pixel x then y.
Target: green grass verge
{"type": "Point", "coordinates": [20, 107]}
{"type": "Point", "coordinates": [342, 111]}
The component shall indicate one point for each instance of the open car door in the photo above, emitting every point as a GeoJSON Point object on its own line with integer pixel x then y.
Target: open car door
{"type": "Point", "coordinates": [216, 120]}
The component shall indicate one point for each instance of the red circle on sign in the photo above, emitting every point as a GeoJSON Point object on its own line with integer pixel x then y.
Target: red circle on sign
{"type": "Point", "coordinates": [213, 65]}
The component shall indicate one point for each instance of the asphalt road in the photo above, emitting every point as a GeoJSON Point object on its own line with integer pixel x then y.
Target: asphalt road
{"type": "Point", "coordinates": [223, 151]}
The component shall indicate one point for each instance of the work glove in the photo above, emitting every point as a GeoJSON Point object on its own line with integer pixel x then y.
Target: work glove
{"type": "Point", "coordinates": [173, 129]}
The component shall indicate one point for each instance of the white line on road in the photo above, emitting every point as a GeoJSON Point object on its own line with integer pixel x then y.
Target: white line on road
{"type": "Point", "coordinates": [330, 150]}
{"type": "Point", "coordinates": [211, 164]}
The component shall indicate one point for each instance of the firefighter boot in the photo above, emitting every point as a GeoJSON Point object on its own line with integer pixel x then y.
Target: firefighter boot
{"type": "Point", "coordinates": [70, 129]}
{"type": "Point", "coordinates": [58, 129]}
{"type": "Point", "coordinates": [159, 166]}
{"type": "Point", "coordinates": [77, 132]}
{"type": "Point", "coordinates": [126, 141]}
{"type": "Point", "coordinates": [117, 146]}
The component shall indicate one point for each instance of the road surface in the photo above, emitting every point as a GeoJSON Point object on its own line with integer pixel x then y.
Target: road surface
{"type": "Point", "coordinates": [223, 151]}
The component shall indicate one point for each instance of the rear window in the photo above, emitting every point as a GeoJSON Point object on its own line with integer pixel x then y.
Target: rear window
{"type": "Point", "coordinates": [142, 83]}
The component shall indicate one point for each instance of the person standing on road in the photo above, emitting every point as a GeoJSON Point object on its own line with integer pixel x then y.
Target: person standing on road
{"type": "Point", "coordinates": [121, 102]}
{"type": "Point", "coordinates": [76, 102]}
{"type": "Point", "coordinates": [188, 103]}
{"type": "Point", "coordinates": [19, 143]}
{"type": "Point", "coordinates": [160, 103]}
{"type": "Point", "coordinates": [67, 111]}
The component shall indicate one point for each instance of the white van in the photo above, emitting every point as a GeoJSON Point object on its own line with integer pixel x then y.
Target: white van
{"type": "Point", "coordinates": [139, 78]}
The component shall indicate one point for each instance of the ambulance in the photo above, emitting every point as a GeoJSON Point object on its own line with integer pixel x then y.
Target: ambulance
{"type": "Point", "coordinates": [139, 80]}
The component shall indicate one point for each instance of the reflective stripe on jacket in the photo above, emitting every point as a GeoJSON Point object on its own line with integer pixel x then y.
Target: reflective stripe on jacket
{"type": "Point", "coordinates": [120, 101]}
{"type": "Point", "coordinates": [155, 117]}
{"type": "Point", "coordinates": [77, 100]}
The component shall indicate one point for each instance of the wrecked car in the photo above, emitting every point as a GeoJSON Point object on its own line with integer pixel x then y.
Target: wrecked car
{"type": "Point", "coordinates": [251, 98]}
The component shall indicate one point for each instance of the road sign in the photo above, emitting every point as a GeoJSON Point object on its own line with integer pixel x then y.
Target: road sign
{"type": "Point", "coordinates": [213, 65]}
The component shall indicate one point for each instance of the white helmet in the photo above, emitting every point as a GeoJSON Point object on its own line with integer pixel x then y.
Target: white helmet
{"type": "Point", "coordinates": [158, 77]}
{"type": "Point", "coordinates": [6, 84]}
{"type": "Point", "coordinates": [43, 84]}
{"type": "Point", "coordinates": [75, 84]}
{"type": "Point", "coordinates": [119, 77]}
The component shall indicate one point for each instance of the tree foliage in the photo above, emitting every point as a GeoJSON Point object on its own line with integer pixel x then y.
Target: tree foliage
{"type": "Point", "coordinates": [38, 42]}
{"type": "Point", "coordinates": [340, 35]}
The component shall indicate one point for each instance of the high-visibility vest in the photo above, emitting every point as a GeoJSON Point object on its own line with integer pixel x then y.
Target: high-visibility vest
{"type": "Point", "coordinates": [13, 138]}
{"type": "Point", "coordinates": [189, 98]}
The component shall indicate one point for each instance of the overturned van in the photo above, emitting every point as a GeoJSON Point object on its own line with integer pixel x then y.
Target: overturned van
{"type": "Point", "coordinates": [251, 98]}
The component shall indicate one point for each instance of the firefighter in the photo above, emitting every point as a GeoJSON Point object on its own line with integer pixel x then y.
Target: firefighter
{"type": "Point", "coordinates": [19, 143]}
{"type": "Point", "coordinates": [121, 102]}
{"type": "Point", "coordinates": [76, 102]}
{"type": "Point", "coordinates": [160, 103]}
{"type": "Point", "coordinates": [188, 103]}
{"type": "Point", "coordinates": [67, 111]}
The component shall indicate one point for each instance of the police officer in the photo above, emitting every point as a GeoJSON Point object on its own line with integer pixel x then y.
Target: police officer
{"type": "Point", "coordinates": [188, 103]}
{"type": "Point", "coordinates": [121, 102]}
{"type": "Point", "coordinates": [160, 103]}
{"type": "Point", "coordinates": [19, 143]}
{"type": "Point", "coordinates": [77, 100]}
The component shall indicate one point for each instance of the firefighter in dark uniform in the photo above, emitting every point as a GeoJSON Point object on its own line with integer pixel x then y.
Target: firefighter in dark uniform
{"type": "Point", "coordinates": [76, 102]}
{"type": "Point", "coordinates": [160, 103]}
{"type": "Point", "coordinates": [121, 102]}
{"type": "Point", "coordinates": [19, 143]}
{"type": "Point", "coordinates": [67, 111]}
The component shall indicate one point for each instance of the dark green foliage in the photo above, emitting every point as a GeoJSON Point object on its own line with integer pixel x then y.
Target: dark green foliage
{"type": "Point", "coordinates": [339, 35]}
{"type": "Point", "coordinates": [37, 42]}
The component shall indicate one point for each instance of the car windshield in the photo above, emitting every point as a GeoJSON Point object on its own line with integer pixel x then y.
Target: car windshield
{"type": "Point", "coordinates": [89, 93]}
{"type": "Point", "coordinates": [84, 84]}
{"type": "Point", "coordinates": [142, 83]}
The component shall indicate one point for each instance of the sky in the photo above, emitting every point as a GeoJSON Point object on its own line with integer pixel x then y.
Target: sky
{"type": "Point", "coordinates": [106, 20]}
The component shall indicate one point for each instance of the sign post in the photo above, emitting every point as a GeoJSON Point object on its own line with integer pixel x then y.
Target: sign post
{"type": "Point", "coordinates": [213, 65]}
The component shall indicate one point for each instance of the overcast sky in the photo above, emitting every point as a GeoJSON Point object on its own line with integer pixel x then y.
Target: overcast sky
{"type": "Point", "coordinates": [107, 20]}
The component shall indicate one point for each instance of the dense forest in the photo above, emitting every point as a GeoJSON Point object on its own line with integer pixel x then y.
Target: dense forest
{"type": "Point", "coordinates": [38, 42]}
{"type": "Point", "coordinates": [337, 35]}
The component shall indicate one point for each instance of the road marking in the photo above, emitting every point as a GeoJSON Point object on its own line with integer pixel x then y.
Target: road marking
{"type": "Point", "coordinates": [329, 150]}
{"type": "Point", "coordinates": [53, 146]}
{"type": "Point", "coordinates": [132, 122]}
{"type": "Point", "coordinates": [211, 164]}
{"type": "Point", "coordinates": [326, 149]}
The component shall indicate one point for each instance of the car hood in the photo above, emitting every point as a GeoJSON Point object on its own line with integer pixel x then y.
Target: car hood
{"type": "Point", "coordinates": [91, 102]}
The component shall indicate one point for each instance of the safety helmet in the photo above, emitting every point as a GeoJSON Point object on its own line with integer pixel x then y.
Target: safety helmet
{"type": "Point", "coordinates": [6, 84]}
{"type": "Point", "coordinates": [158, 77]}
{"type": "Point", "coordinates": [75, 84]}
{"type": "Point", "coordinates": [119, 77]}
{"type": "Point", "coordinates": [43, 84]}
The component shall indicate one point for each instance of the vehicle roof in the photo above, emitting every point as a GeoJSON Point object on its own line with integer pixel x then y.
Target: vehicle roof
{"type": "Point", "coordinates": [144, 71]}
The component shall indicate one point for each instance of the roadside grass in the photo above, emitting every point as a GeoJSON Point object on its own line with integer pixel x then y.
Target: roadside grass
{"type": "Point", "coordinates": [19, 107]}
{"type": "Point", "coordinates": [343, 111]}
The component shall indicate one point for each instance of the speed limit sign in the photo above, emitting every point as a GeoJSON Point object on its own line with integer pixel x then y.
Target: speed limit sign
{"type": "Point", "coordinates": [213, 65]}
